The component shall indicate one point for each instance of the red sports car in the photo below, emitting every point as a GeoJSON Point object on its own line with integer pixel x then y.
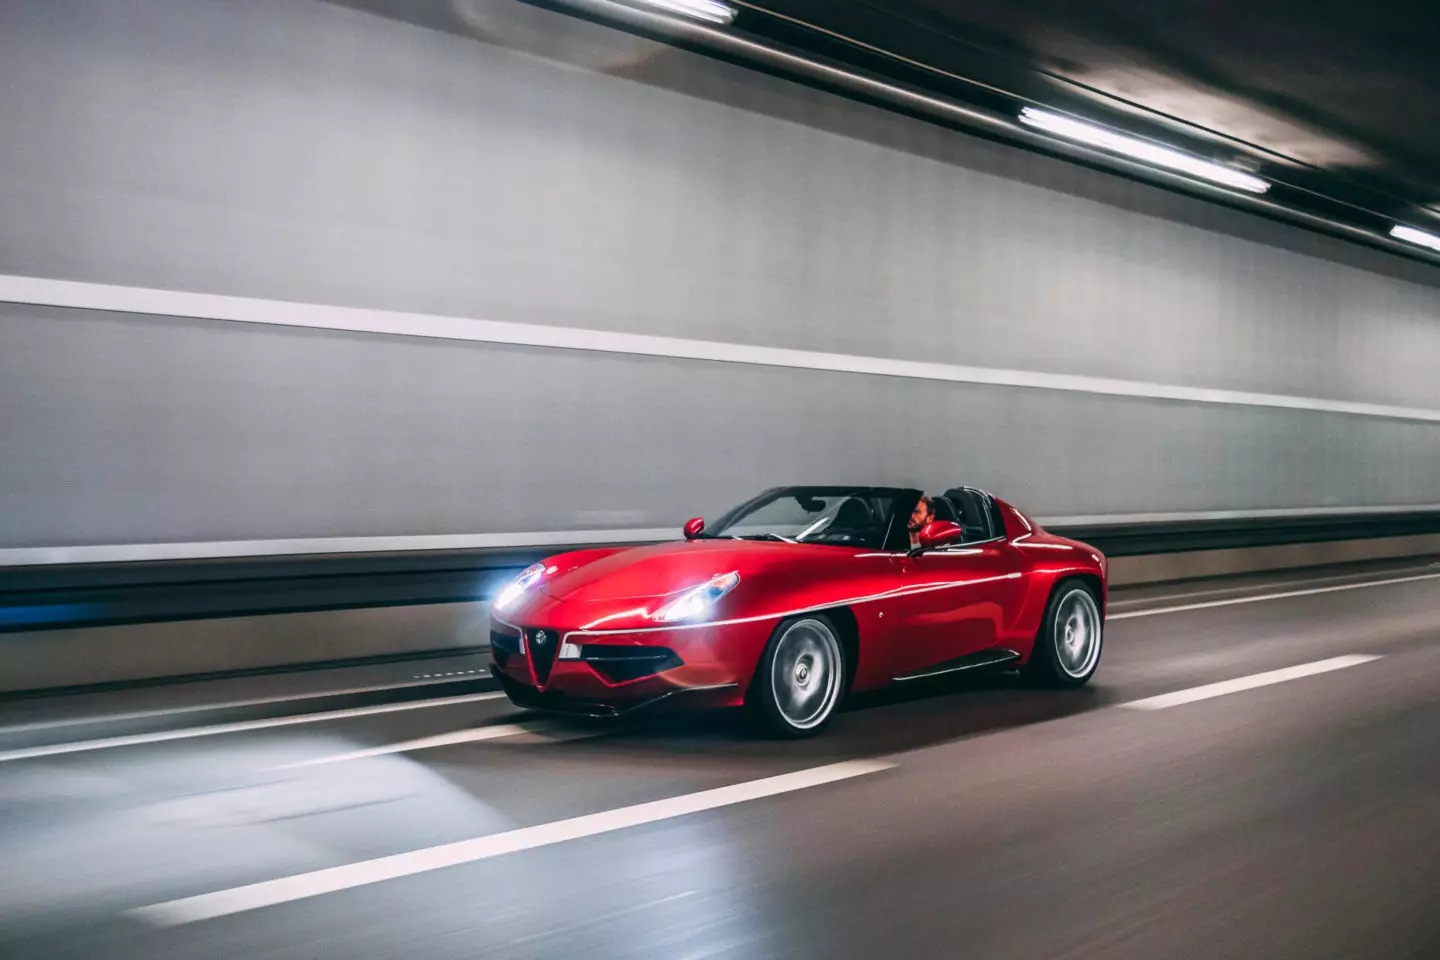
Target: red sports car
{"type": "Point", "coordinates": [796, 598]}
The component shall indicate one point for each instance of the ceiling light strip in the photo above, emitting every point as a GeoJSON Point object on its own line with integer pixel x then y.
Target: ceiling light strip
{"type": "Point", "coordinates": [1142, 150]}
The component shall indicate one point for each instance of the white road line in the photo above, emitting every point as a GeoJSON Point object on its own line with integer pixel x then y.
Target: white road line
{"type": "Point", "coordinates": [212, 707]}
{"type": "Point", "coordinates": [1126, 615]}
{"type": "Point", "coordinates": [82, 746]}
{"type": "Point", "coordinates": [301, 886]}
{"type": "Point", "coordinates": [1224, 687]}
{"type": "Point", "coordinates": [472, 735]}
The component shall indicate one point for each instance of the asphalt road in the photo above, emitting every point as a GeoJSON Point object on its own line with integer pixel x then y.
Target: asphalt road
{"type": "Point", "coordinates": [1296, 814]}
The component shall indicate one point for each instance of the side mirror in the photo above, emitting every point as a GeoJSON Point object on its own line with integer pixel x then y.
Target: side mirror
{"type": "Point", "coordinates": [694, 527]}
{"type": "Point", "coordinates": [940, 533]}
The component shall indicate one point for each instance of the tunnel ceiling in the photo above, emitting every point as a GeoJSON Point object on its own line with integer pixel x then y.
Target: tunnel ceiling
{"type": "Point", "coordinates": [1337, 96]}
{"type": "Point", "coordinates": [1332, 101]}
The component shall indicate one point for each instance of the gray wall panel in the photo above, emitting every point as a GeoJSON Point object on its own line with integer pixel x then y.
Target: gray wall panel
{"type": "Point", "coordinates": [299, 150]}
{"type": "Point", "coordinates": [133, 429]}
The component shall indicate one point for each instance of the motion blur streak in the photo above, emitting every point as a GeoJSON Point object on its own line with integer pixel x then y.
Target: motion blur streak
{"type": "Point", "coordinates": [172, 303]}
{"type": "Point", "coordinates": [287, 889]}
{"type": "Point", "coordinates": [1232, 601]}
{"type": "Point", "coordinates": [477, 735]}
{"type": "Point", "coordinates": [82, 746]}
{"type": "Point", "coordinates": [229, 705]}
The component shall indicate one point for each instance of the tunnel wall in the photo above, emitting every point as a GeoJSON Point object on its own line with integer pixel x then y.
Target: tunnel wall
{"type": "Point", "coordinates": [309, 153]}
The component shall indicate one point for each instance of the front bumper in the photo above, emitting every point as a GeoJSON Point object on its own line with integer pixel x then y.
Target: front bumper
{"type": "Point", "coordinates": [532, 698]}
{"type": "Point", "coordinates": [613, 674]}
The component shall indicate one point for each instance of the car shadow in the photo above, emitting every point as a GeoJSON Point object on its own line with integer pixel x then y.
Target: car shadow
{"type": "Point", "coordinates": [897, 719]}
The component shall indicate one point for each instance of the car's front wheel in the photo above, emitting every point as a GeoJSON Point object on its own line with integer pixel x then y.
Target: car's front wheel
{"type": "Point", "coordinates": [1067, 649]}
{"type": "Point", "coordinates": [798, 683]}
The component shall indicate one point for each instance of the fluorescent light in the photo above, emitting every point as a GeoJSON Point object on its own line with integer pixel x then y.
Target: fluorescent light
{"type": "Point", "coordinates": [711, 11]}
{"type": "Point", "coordinates": [1141, 150]}
{"type": "Point", "coordinates": [1418, 237]}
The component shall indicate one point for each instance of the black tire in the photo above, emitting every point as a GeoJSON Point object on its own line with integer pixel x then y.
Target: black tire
{"type": "Point", "coordinates": [1060, 658]}
{"type": "Point", "coordinates": [799, 681]}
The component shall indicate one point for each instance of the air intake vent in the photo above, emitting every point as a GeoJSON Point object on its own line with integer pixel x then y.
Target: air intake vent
{"type": "Point", "coordinates": [621, 663]}
{"type": "Point", "coordinates": [503, 647]}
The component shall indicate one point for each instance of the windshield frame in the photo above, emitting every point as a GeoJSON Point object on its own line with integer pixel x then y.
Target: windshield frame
{"type": "Point", "coordinates": [902, 499]}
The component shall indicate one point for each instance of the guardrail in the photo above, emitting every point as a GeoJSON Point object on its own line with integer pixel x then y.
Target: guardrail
{"type": "Point", "coordinates": [88, 595]}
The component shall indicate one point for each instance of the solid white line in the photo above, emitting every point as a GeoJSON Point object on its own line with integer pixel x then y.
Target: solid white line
{"type": "Point", "coordinates": [288, 889]}
{"type": "Point", "coordinates": [1207, 604]}
{"type": "Point", "coordinates": [182, 304]}
{"type": "Point", "coordinates": [472, 735]}
{"type": "Point", "coordinates": [224, 705]}
{"type": "Point", "coordinates": [139, 739]}
{"type": "Point", "coordinates": [1208, 691]}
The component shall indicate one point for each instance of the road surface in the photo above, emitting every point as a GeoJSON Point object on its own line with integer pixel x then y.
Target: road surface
{"type": "Point", "coordinates": [1254, 773]}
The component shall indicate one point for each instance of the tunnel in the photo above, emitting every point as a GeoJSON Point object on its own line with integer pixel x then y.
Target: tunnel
{"type": "Point", "coordinates": [320, 322]}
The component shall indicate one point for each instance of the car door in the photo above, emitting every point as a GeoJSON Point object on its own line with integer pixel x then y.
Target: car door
{"type": "Point", "coordinates": [956, 600]}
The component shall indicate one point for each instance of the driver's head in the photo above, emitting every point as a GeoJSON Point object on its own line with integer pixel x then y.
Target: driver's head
{"type": "Point", "coordinates": [923, 513]}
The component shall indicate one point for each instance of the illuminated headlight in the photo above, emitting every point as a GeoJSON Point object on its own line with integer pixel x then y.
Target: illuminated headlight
{"type": "Point", "coordinates": [697, 601]}
{"type": "Point", "coordinates": [570, 651]}
{"type": "Point", "coordinates": [519, 585]}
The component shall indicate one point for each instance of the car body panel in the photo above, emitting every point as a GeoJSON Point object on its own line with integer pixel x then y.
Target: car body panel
{"type": "Point", "coordinates": [958, 601]}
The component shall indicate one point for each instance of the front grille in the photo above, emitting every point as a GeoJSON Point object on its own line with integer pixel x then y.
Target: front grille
{"type": "Point", "coordinates": [618, 663]}
{"type": "Point", "coordinates": [542, 646]}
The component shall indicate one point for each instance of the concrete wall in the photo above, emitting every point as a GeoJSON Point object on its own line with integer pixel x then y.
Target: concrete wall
{"type": "Point", "coordinates": [307, 152]}
{"type": "Point", "coordinates": [50, 659]}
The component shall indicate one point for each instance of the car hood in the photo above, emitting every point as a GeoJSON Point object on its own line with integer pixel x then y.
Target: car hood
{"type": "Point", "coordinates": [645, 573]}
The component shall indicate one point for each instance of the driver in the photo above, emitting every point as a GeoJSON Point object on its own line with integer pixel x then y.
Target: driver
{"type": "Point", "coordinates": [923, 513]}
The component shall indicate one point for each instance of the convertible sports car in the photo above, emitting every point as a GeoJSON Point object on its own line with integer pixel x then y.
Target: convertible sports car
{"type": "Point", "coordinates": [796, 598]}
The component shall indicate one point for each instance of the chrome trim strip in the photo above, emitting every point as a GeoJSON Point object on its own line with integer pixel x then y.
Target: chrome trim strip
{"type": "Point", "coordinates": [1002, 656]}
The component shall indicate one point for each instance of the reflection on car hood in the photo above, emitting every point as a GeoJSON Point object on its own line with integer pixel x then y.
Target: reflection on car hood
{"type": "Point", "coordinates": [656, 571]}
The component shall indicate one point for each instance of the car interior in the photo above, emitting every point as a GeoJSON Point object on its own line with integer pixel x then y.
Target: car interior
{"type": "Point", "coordinates": [857, 521]}
{"type": "Point", "coordinates": [970, 509]}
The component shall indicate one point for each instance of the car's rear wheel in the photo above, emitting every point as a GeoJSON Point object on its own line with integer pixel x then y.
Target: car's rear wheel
{"type": "Point", "coordinates": [1067, 649]}
{"type": "Point", "coordinates": [798, 683]}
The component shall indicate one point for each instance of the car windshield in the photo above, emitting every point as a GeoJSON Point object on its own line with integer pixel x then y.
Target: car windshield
{"type": "Point", "coordinates": [843, 516]}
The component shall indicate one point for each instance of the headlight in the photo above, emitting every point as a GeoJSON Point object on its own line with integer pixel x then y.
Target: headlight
{"type": "Point", "coordinates": [697, 600]}
{"type": "Point", "coordinates": [519, 585]}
